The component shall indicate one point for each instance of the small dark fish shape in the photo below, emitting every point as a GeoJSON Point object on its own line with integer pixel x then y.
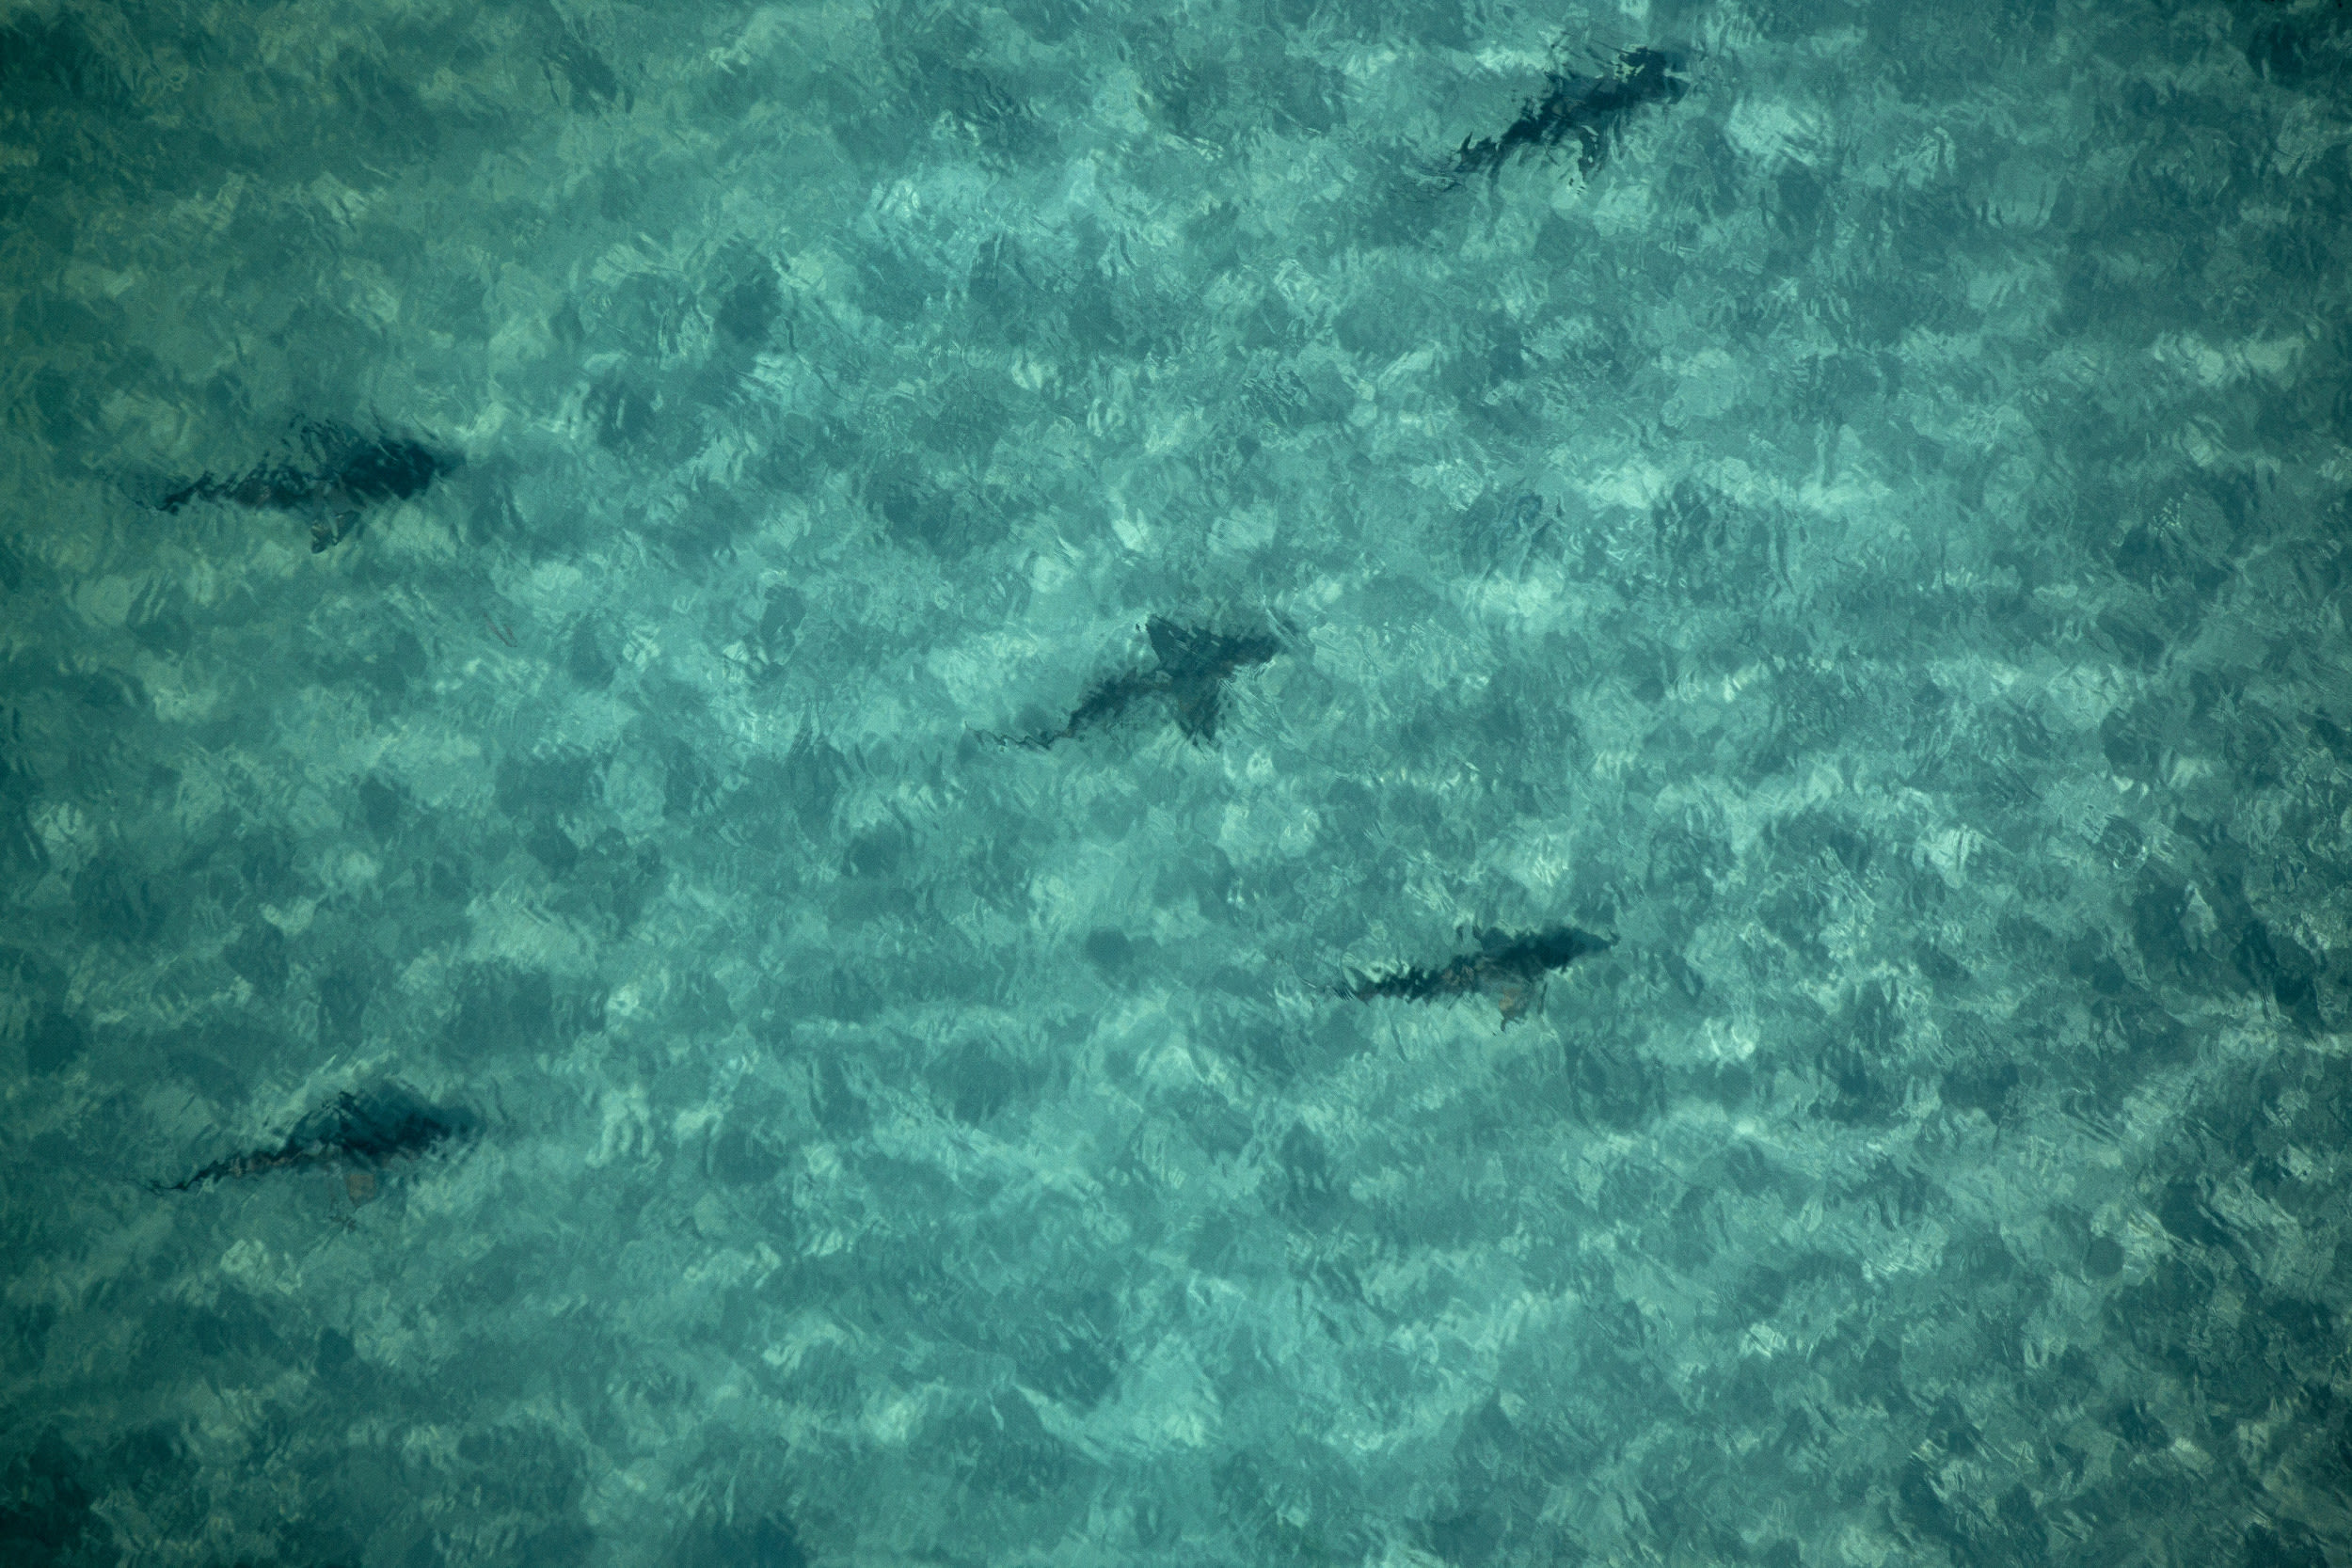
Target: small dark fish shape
{"type": "Point", "coordinates": [346, 471]}
{"type": "Point", "coordinates": [1195, 664]}
{"type": "Point", "coordinates": [1593, 110]}
{"type": "Point", "coordinates": [1511, 966]}
{"type": "Point", "coordinates": [365, 1129]}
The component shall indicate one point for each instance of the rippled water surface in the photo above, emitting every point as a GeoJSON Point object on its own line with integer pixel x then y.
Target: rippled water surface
{"type": "Point", "coordinates": [826, 757]}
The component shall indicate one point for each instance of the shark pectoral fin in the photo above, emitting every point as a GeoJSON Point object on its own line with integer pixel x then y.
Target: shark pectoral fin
{"type": "Point", "coordinates": [333, 529]}
{"type": "Point", "coordinates": [1196, 711]}
{"type": "Point", "coordinates": [1524, 999]}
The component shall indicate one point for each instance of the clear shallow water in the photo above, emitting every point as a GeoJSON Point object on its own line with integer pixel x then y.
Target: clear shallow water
{"type": "Point", "coordinates": [1875, 547]}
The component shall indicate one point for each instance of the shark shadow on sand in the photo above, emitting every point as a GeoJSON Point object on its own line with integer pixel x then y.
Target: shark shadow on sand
{"type": "Point", "coordinates": [1193, 666]}
{"type": "Point", "coordinates": [337, 474]}
{"type": "Point", "coordinates": [360, 1132]}
{"type": "Point", "coordinates": [1511, 967]}
{"type": "Point", "coordinates": [1592, 111]}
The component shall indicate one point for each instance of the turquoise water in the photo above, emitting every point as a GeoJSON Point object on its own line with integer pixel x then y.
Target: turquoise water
{"type": "Point", "coordinates": [1864, 533]}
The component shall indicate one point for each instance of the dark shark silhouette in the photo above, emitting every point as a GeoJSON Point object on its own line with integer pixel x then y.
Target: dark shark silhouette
{"type": "Point", "coordinates": [1592, 110]}
{"type": "Point", "coordinates": [365, 1129]}
{"type": "Point", "coordinates": [1198, 664]}
{"type": "Point", "coordinates": [1195, 664]}
{"type": "Point", "coordinates": [1506, 965]}
{"type": "Point", "coordinates": [342, 472]}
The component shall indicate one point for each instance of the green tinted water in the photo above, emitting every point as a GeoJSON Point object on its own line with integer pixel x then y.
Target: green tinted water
{"type": "Point", "coordinates": [1872, 544]}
